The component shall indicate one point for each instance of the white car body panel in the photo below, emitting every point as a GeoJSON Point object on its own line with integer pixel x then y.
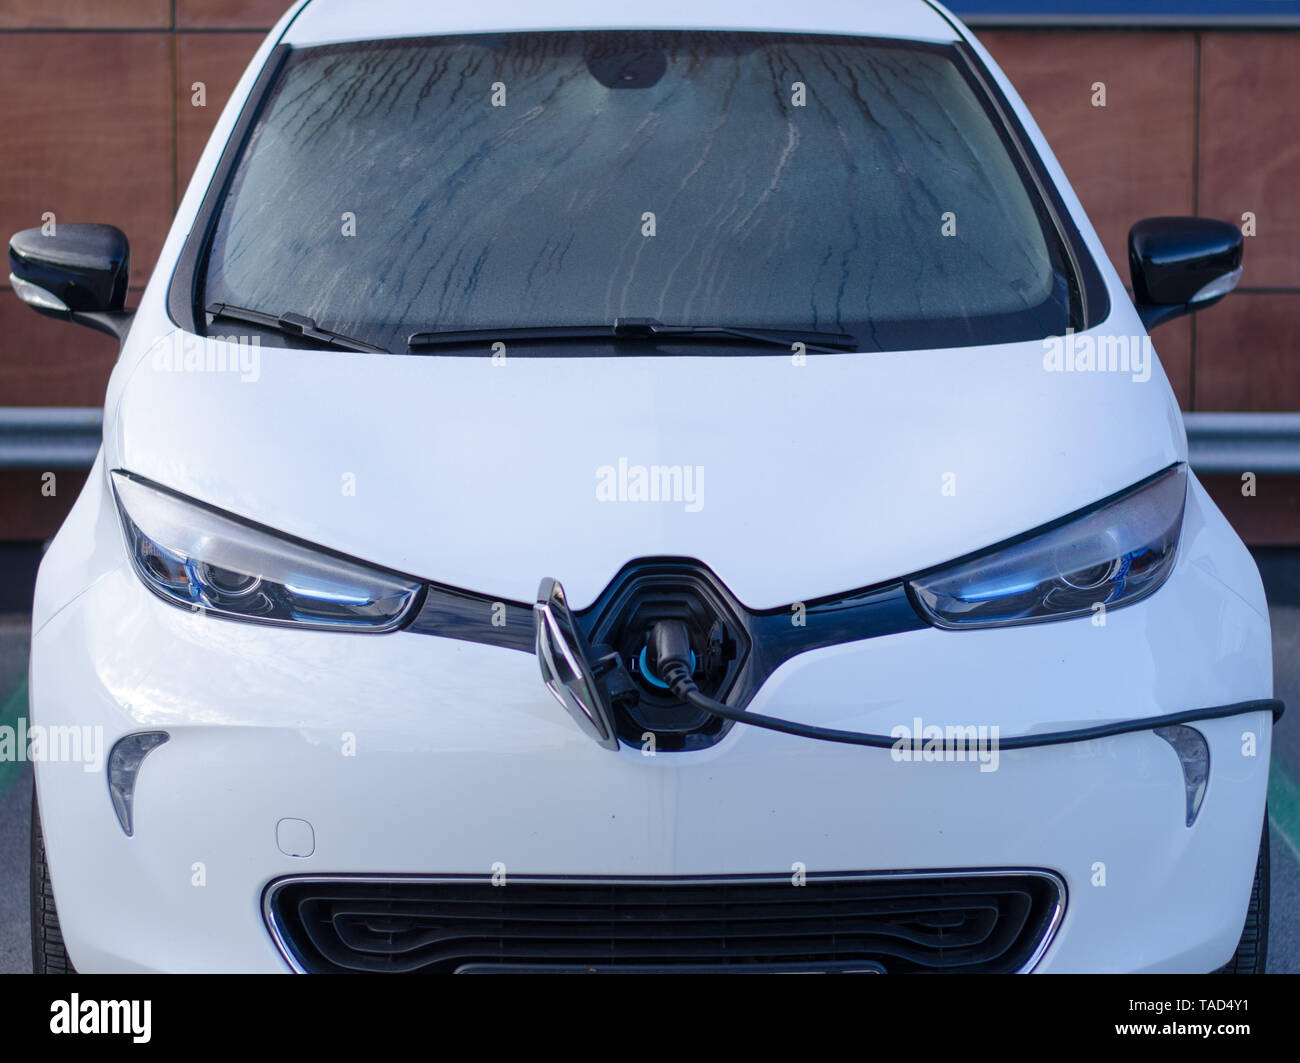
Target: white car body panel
{"type": "Point", "coordinates": [860, 446]}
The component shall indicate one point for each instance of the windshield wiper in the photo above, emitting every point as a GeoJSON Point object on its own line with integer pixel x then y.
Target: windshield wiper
{"type": "Point", "coordinates": [637, 330]}
{"type": "Point", "coordinates": [292, 325]}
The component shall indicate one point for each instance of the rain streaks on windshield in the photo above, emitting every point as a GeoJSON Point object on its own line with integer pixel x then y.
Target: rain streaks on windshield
{"type": "Point", "coordinates": [559, 180]}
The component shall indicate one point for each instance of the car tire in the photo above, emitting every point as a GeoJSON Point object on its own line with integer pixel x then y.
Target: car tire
{"type": "Point", "coordinates": [1251, 956]}
{"type": "Point", "coordinates": [48, 954]}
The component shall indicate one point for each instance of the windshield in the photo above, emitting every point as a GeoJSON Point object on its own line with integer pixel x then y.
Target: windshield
{"type": "Point", "coordinates": [793, 183]}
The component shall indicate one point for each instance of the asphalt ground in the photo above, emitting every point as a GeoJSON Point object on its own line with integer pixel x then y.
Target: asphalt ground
{"type": "Point", "coordinates": [1281, 571]}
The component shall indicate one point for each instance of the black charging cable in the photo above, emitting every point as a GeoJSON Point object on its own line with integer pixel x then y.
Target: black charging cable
{"type": "Point", "coordinates": [669, 653]}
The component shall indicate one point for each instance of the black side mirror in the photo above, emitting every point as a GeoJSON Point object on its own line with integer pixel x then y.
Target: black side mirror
{"type": "Point", "coordinates": [1181, 264]}
{"type": "Point", "coordinates": [75, 273]}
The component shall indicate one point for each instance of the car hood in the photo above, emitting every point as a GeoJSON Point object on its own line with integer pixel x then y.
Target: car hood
{"type": "Point", "coordinates": [790, 481]}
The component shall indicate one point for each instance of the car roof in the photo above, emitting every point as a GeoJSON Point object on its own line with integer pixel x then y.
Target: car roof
{"type": "Point", "coordinates": [334, 21]}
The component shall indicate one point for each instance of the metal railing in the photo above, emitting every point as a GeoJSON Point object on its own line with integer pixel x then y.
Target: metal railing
{"type": "Point", "coordinates": [49, 437]}
{"type": "Point", "coordinates": [1227, 444]}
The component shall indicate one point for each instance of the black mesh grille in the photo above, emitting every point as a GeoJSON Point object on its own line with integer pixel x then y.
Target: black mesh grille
{"type": "Point", "coordinates": [974, 923]}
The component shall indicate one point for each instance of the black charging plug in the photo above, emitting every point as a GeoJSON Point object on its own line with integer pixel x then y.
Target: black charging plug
{"type": "Point", "coordinates": [668, 650]}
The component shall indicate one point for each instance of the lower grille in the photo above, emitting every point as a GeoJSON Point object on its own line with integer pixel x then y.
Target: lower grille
{"type": "Point", "coordinates": [985, 922]}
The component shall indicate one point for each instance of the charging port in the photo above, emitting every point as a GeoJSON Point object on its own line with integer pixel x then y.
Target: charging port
{"type": "Point", "coordinates": [715, 645]}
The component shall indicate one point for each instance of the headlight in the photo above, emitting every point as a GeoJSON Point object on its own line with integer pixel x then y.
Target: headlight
{"type": "Point", "coordinates": [1113, 555]}
{"type": "Point", "coordinates": [197, 558]}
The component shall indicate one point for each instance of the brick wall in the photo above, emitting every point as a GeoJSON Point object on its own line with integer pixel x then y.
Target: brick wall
{"type": "Point", "coordinates": [99, 124]}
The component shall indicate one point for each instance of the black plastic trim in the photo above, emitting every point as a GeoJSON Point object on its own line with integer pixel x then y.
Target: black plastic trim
{"type": "Point", "coordinates": [471, 617]}
{"type": "Point", "coordinates": [1089, 289]}
{"type": "Point", "coordinates": [183, 291]}
{"type": "Point", "coordinates": [286, 930]}
{"type": "Point", "coordinates": [1093, 293]}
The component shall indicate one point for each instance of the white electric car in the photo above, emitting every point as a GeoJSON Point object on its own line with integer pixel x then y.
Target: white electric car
{"type": "Point", "coordinates": [686, 494]}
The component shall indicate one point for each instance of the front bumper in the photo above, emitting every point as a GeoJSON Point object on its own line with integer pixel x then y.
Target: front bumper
{"type": "Point", "coordinates": [415, 755]}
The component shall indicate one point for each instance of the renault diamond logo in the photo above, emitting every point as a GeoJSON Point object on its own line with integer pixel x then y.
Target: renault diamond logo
{"type": "Point", "coordinates": [566, 668]}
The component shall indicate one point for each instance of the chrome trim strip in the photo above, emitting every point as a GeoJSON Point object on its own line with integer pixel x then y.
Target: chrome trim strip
{"type": "Point", "coordinates": [1217, 289]}
{"type": "Point", "coordinates": [558, 643]}
{"type": "Point", "coordinates": [35, 295]}
{"type": "Point", "coordinates": [1045, 942]}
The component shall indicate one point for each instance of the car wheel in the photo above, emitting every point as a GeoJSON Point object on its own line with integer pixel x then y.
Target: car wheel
{"type": "Point", "coordinates": [1252, 950]}
{"type": "Point", "coordinates": [48, 953]}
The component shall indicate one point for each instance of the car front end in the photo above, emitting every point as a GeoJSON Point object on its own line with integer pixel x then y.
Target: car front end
{"type": "Point", "coordinates": [296, 608]}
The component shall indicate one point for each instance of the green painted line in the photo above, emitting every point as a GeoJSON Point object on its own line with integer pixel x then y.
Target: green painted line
{"type": "Point", "coordinates": [14, 707]}
{"type": "Point", "coordinates": [1284, 804]}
